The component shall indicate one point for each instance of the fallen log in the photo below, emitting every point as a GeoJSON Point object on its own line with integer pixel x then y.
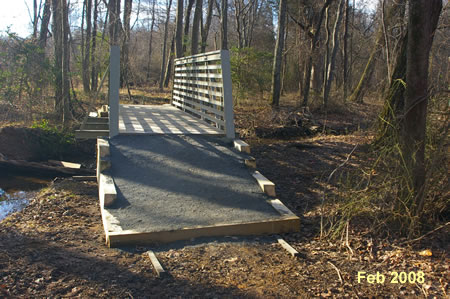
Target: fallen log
{"type": "Point", "coordinates": [41, 168]}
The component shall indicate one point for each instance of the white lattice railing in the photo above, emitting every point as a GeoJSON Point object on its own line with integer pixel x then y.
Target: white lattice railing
{"type": "Point", "coordinates": [202, 87]}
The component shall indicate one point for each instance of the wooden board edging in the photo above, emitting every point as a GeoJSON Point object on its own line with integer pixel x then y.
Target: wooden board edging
{"type": "Point", "coordinates": [266, 185]}
{"type": "Point", "coordinates": [156, 264]}
{"type": "Point", "coordinates": [271, 226]}
{"type": "Point", "coordinates": [241, 146]}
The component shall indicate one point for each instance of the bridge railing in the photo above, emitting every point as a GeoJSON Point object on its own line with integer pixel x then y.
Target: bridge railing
{"type": "Point", "coordinates": [202, 87]}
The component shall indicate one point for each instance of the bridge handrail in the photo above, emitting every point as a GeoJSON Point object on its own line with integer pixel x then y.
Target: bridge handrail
{"type": "Point", "coordinates": [202, 87]}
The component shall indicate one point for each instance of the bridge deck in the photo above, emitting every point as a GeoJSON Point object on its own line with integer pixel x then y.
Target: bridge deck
{"type": "Point", "coordinates": [179, 179]}
{"type": "Point", "coordinates": [161, 119]}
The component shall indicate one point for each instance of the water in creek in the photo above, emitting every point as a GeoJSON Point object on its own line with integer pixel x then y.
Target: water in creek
{"type": "Point", "coordinates": [16, 190]}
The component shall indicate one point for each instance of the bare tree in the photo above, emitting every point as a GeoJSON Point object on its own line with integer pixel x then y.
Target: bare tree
{"type": "Point", "coordinates": [334, 51]}
{"type": "Point", "coordinates": [224, 25]}
{"type": "Point", "coordinates": [43, 33]}
{"type": "Point", "coordinates": [196, 26]}
{"type": "Point", "coordinates": [87, 46]}
{"type": "Point", "coordinates": [205, 29]}
{"type": "Point", "coordinates": [126, 42]}
{"type": "Point", "coordinates": [150, 41]}
{"type": "Point", "coordinates": [94, 68]}
{"type": "Point", "coordinates": [179, 29]}
{"type": "Point", "coordinates": [164, 46]}
{"type": "Point", "coordinates": [396, 9]}
{"type": "Point", "coordinates": [276, 73]}
{"type": "Point", "coordinates": [187, 21]}
{"type": "Point", "coordinates": [423, 20]}
{"type": "Point", "coordinates": [345, 50]}
{"type": "Point", "coordinates": [313, 31]}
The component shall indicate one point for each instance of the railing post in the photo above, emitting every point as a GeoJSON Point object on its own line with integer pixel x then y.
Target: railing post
{"type": "Point", "coordinates": [114, 85]}
{"type": "Point", "coordinates": [227, 94]}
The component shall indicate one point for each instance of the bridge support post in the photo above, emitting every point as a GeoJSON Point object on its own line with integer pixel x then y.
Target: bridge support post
{"type": "Point", "coordinates": [114, 85]}
{"type": "Point", "coordinates": [227, 94]}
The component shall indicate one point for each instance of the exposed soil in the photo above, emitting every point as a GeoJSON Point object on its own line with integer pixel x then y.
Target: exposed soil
{"type": "Point", "coordinates": [55, 247]}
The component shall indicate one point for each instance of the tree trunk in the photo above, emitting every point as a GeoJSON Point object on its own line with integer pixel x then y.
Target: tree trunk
{"type": "Point", "coordinates": [87, 47]}
{"type": "Point", "coordinates": [360, 90]}
{"type": "Point", "coordinates": [126, 42]}
{"type": "Point", "coordinates": [57, 40]}
{"type": "Point", "coordinates": [179, 29]}
{"type": "Point", "coordinates": [94, 69]}
{"type": "Point", "coordinates": [224, 25]}
{"type": "Point", "coordinates": [44, 24]}
{"type": "Point", "coordinates": [169, 68]}
{"type": "Point", "coordinates": [164, 48]}
{"type": "Point", "coordinates": [278, 55]}
{"type": "Point", "coordinates": [345, 37]}
{"type": "Point", "coordinates": [423, 20]}
{"type": "Point", "coordinates": [332, 64]}
{"type": "Point", "coordinates": [314, 34]}
{"type": "Point", "coordinates": [187, 21]}
{"type": "Point", "coordinates": [150, 42]}
{"type": "Point", "coordinates": [65, 62]}
{"type": "Point", "coordinates": [205, 29]}
{"type": "Point", "coordinates": [196, 27]}
{"type": "Point", "coordinates": [389, 124]}
{"type": "Point", "coordinates": [35, 19]}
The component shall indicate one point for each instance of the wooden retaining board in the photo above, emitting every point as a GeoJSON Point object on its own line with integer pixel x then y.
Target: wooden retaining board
{"type": "Point", "coordinates": [285, 222]}
{"type": "Point", "coordinates": [115, 238]}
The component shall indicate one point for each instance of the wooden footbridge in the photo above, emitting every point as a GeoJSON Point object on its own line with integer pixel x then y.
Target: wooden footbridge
{"type": "Point", "coordinates": [176, 171]}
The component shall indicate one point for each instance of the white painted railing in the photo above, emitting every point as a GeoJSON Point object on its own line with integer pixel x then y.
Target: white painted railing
{"type": "Point", "coordinates": [202, 87]}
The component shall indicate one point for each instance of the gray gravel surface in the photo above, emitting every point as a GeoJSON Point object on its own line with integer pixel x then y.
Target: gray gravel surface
{"type": "Point", "coordinates": [168, 182]}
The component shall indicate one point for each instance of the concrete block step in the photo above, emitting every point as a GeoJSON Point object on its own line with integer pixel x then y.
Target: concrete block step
{"type": "Point", "coordinates": [90, 134]}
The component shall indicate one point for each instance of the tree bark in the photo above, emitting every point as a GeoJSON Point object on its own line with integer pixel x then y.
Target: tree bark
{"type": "Point", "coordinates": [205, 29]}
{"type": "Point", "coordinates": [43, 33]}
{"type": "Point", "coordinates": [150, 42]}
{"type": "Point", "coordinates": [196, 26]}
{"type": "Point", "coordinates": [87, 46]}
{"type": "Point", "coordinates": [65, 62]}
{"type": "Point", "coordinates": [179, 29]}
{"type": "Point", "coordinates": [164, 48]}
{"type": "Point", "coordinates": [187, 21]}
{"type": "Point", "coordinates": [169, 68]}
{"type": "Point", "coordinates": [423, 20]}
{"type": "Point", "coordinates": [345, 49]}
{"type": "Point", "coordinates": [360, 90]}
{"type": "Point", "coordinates": [126, 42]}
{"type": "Point", "coordinates": [224, 25]}
{"type": "Point", "coordinates": [94, 69]}
{"type": "Point", "coordinates": [334, 51]}
{"type": "Point", "coordinates": [57, 40]}
{"type": "Point", "coordinates": [278, 55]}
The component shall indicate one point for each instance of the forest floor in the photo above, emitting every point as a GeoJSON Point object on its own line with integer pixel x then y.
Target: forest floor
{"type": "Point", "coordinates": [55, 247]}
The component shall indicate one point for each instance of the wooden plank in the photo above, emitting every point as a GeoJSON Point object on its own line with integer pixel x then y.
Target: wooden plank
{"type": "Point", "coordinates": [107, 190]}
{"type": "Point", "coordinates": [269, 226]}
{"type": "Point", "coordinates": [197, 97]}
{"type": "Point", "coordinates": [65, 164]}
{"type": "Point", "coordinates": [90, 134]}
{"type": "Point", "coordinates": [216, 120]}
{"type": "Point", "coordinates": [198, 67]}
{"type": "Point", "coordinates": [85, 178]}
{"type": "Point", "coordinates": [199, 75]}
{"type": "Point", "coordinates": [201, 83]}
{"type": "Point", "coordinates": [241, 146]}
{"type": "Point", "coordinates": [198, 105]}
{"type": "Point", "coordinates": [281, 208]}
{"type": "Point", "coordinates": [204, 91]}
{"type": "Point", "coordinates": [156, 264]}
{"type": "Point", "coordinates": [288, 247]}
{"type": "Point", "coordinates": [204, 57]}
{"type": "Point", "coordinates": [227, 94]}
{"type": "Point", "coordinates": [266, 185]}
